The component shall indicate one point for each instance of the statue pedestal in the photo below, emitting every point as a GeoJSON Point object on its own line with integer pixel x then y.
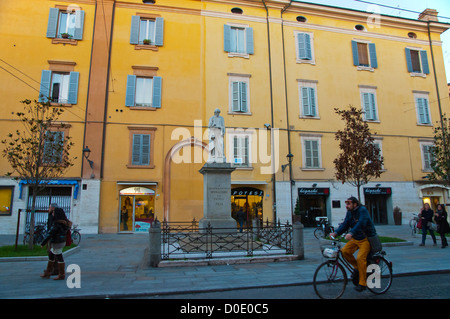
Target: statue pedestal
{"type": "Point", "coordinates": [217, 196]}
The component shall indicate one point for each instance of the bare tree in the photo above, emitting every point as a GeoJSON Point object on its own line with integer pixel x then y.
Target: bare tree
{"type": "Point", "coordinates": [39, 152]}
{"type": "Point", "coordinates": [360, 159]}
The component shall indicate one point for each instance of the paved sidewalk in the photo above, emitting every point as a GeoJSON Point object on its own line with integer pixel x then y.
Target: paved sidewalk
{"type": "Point", "coordinates": [114, 265]}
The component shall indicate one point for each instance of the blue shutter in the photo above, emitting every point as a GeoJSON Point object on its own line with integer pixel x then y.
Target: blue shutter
{"type": "Point", "coordinates": [79, 23]}
{"type": "Point", "coordinates": [134, 33]}
{"type": "Point", "coordinates": [44, 91]}
{"type": "Point", "coordinates": [355, 53]}
{"type": "Point", "coordinates": [73, 87]}
{"type": "Point", "coordinates": [136, 151]}
{"type": "Point", "coordinates": [408, 60]}
{"type": "Point", "coordinates": [424, 58]}
{"type": "Point", "coordinates": [235, 107]}
{"type": "Point", "coordinates": [308, 153]}
{"type": "Point", "coordinates": [226, 38]}
{"type": "Point", "coordinates": [243, 89]}
{"type": "Point", "coordinates": [304, 46]}
{"type": "Point", "coordinates": [373, 55]}
{"type": "Point", "coordinates": [305, 102]}
{"type": "Point", "coordinates": [52, 24]}
{"type": "Point", "coordinates": [159, 31]}
{"type": "Point", "coordinates": [249, 35]}
{"type": "Point", "coordinates": [157, 86]}
{"type": "Point", "coordinates": [312, 101]}
{"type": "Point", "coordinates": [131, 90]}
{"type": "Point", "coordinates": [145, 149]}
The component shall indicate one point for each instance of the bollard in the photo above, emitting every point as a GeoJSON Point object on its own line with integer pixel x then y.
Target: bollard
{"type": "Point", "coordinates": [297, 240]}
{"type": "Point", "coordinates": [154, 249]}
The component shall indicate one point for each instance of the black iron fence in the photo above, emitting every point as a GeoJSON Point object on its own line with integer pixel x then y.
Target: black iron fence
{"type": "Point", "coordinates": [185, 240]}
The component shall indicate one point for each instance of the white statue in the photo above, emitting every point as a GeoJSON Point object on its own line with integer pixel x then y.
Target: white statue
{"type": "Point", "coordinates": [216, 133]}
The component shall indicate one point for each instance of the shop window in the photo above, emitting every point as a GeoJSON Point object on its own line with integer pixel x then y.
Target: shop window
{"type": "Point", "coordinates": [6, 200]}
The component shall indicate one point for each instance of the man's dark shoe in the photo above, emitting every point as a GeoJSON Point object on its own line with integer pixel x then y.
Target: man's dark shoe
{"type": "Point", "coordinates": [360, 288]}
{"type": "Point", "coordinates": [355, 277]}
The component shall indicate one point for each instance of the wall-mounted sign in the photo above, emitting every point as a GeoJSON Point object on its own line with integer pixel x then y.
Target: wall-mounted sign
{"type": "Point", "coordinates": [137, 191]}
{"type": "Point", "coordinates": [313, 191]}
{"type": "Point", "coordinates": [378, 191]}
{"type": "Point", "coordinates": [245, 191]}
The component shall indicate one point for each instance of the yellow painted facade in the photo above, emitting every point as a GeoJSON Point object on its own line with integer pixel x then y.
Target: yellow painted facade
{"type": "Point", "coordinates": [198, 74]}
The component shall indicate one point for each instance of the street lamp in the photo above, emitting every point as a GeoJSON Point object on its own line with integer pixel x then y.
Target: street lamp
{"type": "Point", "coordinates": [86, 153]}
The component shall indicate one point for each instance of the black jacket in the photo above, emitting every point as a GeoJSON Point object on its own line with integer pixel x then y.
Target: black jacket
{"type": "Point", "coordinates": [57, 233]}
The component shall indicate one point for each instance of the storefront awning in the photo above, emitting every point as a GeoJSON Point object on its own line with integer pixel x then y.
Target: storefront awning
{"type": "Point", "coordinates": [74, 183]}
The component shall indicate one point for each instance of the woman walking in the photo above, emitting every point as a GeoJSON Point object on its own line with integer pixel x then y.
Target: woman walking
{"type": "Point", "coordinates": [442, 224]}
{"type": "Point", "coordinates": [426, 214]}
{"type": "Point", "coordinates": [57, 238]}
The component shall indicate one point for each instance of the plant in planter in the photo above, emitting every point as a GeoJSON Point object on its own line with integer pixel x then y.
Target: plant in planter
{"type": "Point", "coordinates": [65, 35]}
{"type": "Point", "coordinates": [147, 41]}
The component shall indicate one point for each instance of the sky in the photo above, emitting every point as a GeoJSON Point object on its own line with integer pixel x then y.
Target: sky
{"type": "Point", "coordinates": [417, 6]}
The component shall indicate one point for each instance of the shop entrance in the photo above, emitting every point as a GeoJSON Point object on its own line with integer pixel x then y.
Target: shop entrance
{"type": "Point", "coordinates": [251, 201]}
{"type": "Point", "coordinates": [312, 203]}
{"type": "Point", "coordinates": [376, 203]}
{"type": "Point", "coordinates": [137, 206]}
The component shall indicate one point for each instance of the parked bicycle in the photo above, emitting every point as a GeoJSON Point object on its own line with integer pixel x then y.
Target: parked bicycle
{"type": "Point", "coordinates": [75, 233]}
{"type": "Point", "coordinates": [40, 232]}
{"type": "Point", "coordinates": [323, 228]}
{"type": "Point", "coordinates": [330, 278]}
{"type": "Point", "coordinates": [413, 224]}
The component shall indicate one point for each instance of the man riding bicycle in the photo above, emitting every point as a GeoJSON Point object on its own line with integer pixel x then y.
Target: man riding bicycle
{"type": "Point", "coordinates": [361, 226]}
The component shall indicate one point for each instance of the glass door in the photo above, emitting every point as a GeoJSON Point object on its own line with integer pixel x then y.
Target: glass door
{"type": "Point", "coordinates": [137, 209]}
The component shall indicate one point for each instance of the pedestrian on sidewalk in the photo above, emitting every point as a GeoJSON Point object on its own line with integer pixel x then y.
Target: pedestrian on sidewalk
{"type": "Point", "coordinates": [427, 214]}
{"type": "Point", "coordinates": [57, 238]}
{"type": "Point", "coordinates": [241, 217]}
{"type": "Point", "coordinates": [442, 224]}
{"type": "Point", "coordinates": [361, 226]}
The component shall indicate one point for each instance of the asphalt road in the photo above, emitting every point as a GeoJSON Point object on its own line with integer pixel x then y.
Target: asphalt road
{"type": "Point", "coordinates": [435, 286]}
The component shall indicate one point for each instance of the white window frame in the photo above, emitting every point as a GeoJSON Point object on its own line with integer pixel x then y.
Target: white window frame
{"type": "Point", "coordinates": [423, 144]}
{"type": "Point", "coordinates": [244, 27]}
{"type": "Point", "coordinates": [63, 94]}
{"type": "Point", "coordinates": [241, 133]}
{"type": "Point", "coordinates": [317, 138]}
{"type": "Point", "coordinates": [297, 53]}
{"type": "Point", "coordinates": [152, 36]}
{"type": "Point", "coordinates": [422, 95]}
{"type": "Point", "coordinates": [308, 84]}
{"type": "Point", "coordinates": [245, 78]}
{"type": "Point", "coordinates": [148, 91]}
{"type": "Point", "coordinates": [369, 90]}
{"type": "Point", "coordinates": [70, 16]}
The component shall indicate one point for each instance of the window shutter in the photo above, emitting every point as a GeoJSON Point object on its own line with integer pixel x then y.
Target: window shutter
{"type": "Point", "coordinates": [249, 36]}
{"type": "Point", "coordinates": [305, 102]}
{"type": "Point", "coordinates": [73, 87]}
{"type": "Point", "coordinates": [131, 90]}
{"type": "Point", "coordinates": [52, 24]}
{"type": "Point", "coordinates": [373, 56]}
{"type": "Point", "coordinates": [426, 150]}
{"type": "Point", "coordinates": [308, 153]}
{"type": "Point", "coordinates": [235, 107]}
{"type": "Point", "coordinates": [159, 31]}
{"type": "Point", "coordinates": [422, 111]}
{"type": "Point", "coordinates": [355, 53]}
{"type": "Point", "coordinates": [136, 153]}
{"type": "Point", "coordinates": [134, 34]}
{"type": "Point", "coordinates": [157, 87]}
{"type": "Point", "coordinates": [315, 153]}
{"type": "Point", "coordinates": [145, 149]}
{"type": "Point", "coordinates": [243, 89]}
{"type": "Point", "coordinates": [408, 60]}
{"type": "Point", "coordinates": [304, 46]}
{"type": "Point", "coordinates": [424, 58]}
{"type": "Point", "coordinates": [369, 106]}
{"type": "Point", "coordinates": [79, 23]}
{"type": "Point", "coordinates": [44, 90]}
{"type": "Point", "coordinates": [226, 38]}
{"type": "Point", "coordinates": [312, 101]}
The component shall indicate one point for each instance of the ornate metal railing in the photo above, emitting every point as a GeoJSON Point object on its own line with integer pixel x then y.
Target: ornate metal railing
{"type": "Point", "coordinates": [185, 240]}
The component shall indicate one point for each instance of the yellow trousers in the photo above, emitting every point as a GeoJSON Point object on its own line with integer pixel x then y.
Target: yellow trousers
{"type": "Point", "coordinates": [360, 262]}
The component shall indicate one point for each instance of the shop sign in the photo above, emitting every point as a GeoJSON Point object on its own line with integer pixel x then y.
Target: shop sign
{"type": "Point", "coordinates": [245, 191]}
{"type": "Point", "coordinates": [378, 191]}
{"type": "Point", "coordinates": [313, 191]}
{"type": "Point", "coordinates": [137, 191]}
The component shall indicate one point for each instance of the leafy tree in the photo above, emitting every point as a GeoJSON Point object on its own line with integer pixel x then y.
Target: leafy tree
{"type": "Point", "coordinates": [360, 159]}
{"type": "Point", "coordinates": [440, 153]}
{"type": "Point", "coordinates": [39, 152]}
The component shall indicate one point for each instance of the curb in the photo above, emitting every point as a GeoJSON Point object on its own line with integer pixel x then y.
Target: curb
{"type": "Point", "coordinates": [38, 258]}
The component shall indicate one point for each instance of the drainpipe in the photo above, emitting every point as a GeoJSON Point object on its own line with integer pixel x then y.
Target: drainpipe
{"type": "Point", "coordinates": [291, 179]}
{"type": "Point", "coordinates": [438, 98]}
{"type": "Point", "coordinates": [271, 113]}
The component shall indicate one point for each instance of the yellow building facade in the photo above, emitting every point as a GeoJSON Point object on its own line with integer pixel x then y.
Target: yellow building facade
{"type": "Point", "coordinates": [151, 74]}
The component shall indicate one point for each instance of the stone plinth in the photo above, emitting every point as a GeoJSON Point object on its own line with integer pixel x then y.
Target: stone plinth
{"type": "Point", "coordinates": [217, 196]}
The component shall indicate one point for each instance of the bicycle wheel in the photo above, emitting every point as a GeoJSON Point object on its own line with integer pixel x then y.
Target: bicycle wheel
{"type": "Point", "coordinates": [76, 237]}
{"type": "Point", "coordinates": [330, 280]}
{"type": "Point", "coordinates": [379, 278]}
{"type": "Point", "coordinates": [318, 233]}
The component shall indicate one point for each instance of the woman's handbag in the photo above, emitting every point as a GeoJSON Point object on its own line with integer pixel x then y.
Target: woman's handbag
{"type": "Point", "coordinates": [419, 224]}
{"type": "Point", "coordinates": [68, 238]}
